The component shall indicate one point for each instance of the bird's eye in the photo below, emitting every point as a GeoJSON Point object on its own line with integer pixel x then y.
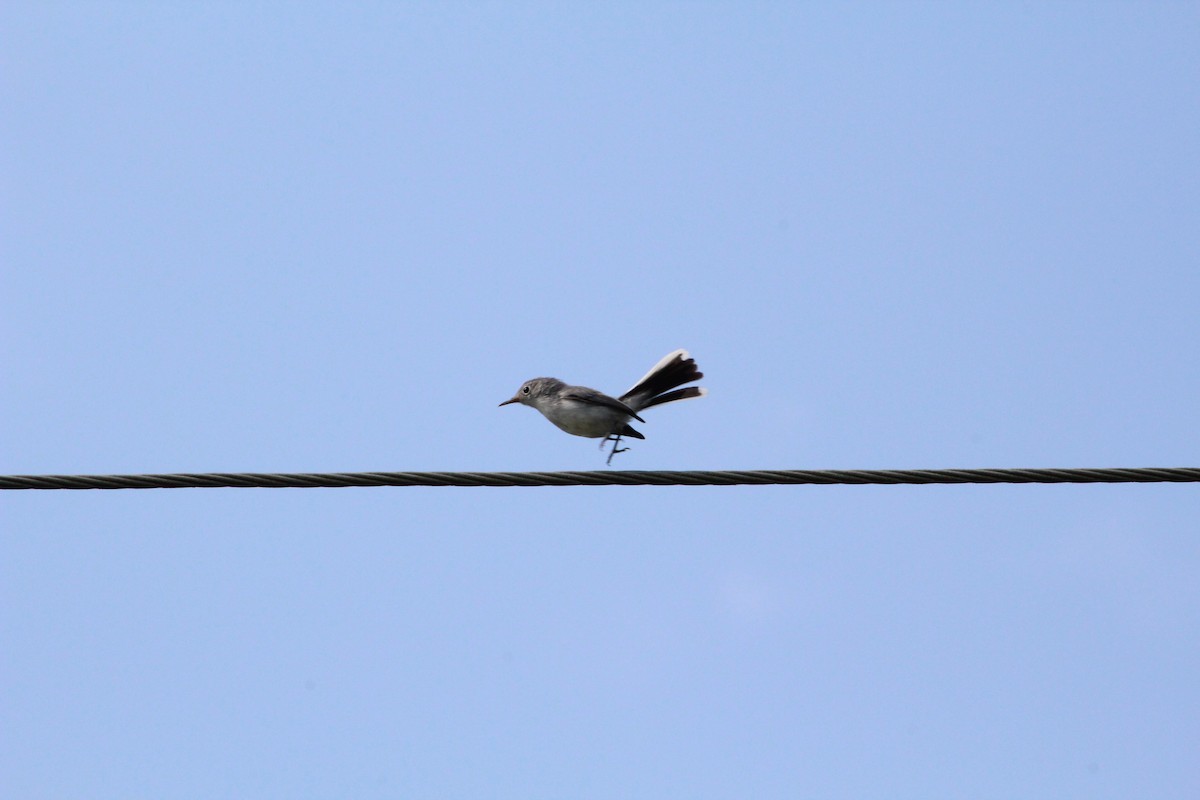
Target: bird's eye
{"type": "Point", "coordinates": [524, 390]}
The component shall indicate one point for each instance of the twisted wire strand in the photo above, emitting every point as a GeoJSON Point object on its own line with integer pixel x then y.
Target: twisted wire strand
{"type": "Point", "coordinates": [305, 480]}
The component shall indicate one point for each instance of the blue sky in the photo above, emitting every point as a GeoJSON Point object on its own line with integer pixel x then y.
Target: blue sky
{"type": "Point", "coordinates": [314, 238]}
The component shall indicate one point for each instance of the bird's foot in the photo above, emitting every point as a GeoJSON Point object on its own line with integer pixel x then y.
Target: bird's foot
{"type": "Point", "coordinates": [616, 448]}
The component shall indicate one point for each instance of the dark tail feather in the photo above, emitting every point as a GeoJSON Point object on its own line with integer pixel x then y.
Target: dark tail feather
{"type": "Point", "coordinates": [630, 432]}
{"type": "Point", "coordinates": [674, 370]}
{"type": "Point", "coordinates": [678, 394]}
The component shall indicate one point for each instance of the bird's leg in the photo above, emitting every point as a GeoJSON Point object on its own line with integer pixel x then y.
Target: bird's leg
{"type": "Point", "coordinates": [615, 438]}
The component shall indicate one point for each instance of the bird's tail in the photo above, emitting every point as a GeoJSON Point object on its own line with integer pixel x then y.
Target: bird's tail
{"type": "Point", "coordinates": [655, 387]}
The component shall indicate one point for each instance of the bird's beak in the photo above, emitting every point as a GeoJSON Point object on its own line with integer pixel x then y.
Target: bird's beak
{"type": "Point", "coordinates": [509, 400]}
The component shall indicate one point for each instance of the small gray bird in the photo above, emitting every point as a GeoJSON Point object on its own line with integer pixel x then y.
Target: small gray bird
{"type": "Point", "coordinates": [586, 412]}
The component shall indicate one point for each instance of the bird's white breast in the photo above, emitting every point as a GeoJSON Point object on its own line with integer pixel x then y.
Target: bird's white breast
{"type": "Point", "coordinates": [584, 419]}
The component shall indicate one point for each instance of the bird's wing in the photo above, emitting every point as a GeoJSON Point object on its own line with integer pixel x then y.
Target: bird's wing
{"type": "Point", "coordinates": [584, 395]}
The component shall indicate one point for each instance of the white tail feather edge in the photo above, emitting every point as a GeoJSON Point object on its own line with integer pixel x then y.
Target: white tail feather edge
{"type": "Point", "coordinates": [668, 358]}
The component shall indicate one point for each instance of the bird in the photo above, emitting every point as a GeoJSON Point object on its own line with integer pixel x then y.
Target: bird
{"type": "Point", "coordinates": [581, 411]}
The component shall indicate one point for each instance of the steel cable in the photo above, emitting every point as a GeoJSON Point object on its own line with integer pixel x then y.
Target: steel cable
{"type": "Point", "coordinates": [602, 478]}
